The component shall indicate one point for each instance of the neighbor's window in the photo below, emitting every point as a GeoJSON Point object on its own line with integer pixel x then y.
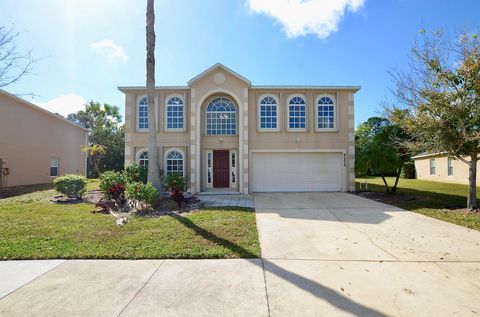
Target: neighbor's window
{"type": "Point", "coordinates": [221, 117]}
{"type": "Point", "coordinates": [297, 113]}
{"type": "Point", "coordinates": [174, 163]}
{"type": "Point", "coordinates": [432, 166]}
{"type": "Point", "coordinates": [268, 113]}
{"type": "Point", "coordinates": [143, 159]}
{"type": "Point", "coordinates": [325, 113]}
{"type": "Point", "coordinates": [54, 167]}
{"type": "Point", "coordinates": [450, 166]}
{"type": "Point", "coordinates": [175, 113]}
{"type": "Point", "coordinates": [142, 114]}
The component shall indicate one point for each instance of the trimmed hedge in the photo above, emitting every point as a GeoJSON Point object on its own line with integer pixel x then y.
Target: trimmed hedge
{"type": "Point", "coordinates": [71, 185]}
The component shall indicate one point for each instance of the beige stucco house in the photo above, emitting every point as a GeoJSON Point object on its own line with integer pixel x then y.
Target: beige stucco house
{"type": "Point", "coordinates": [36, 145]}
{"type": "Point", "coordinates": [442, 168]}
{"type": "Point", "coordinates": [225, 134]}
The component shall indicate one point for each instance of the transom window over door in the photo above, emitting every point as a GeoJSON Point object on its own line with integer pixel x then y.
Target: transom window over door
{"type": "Point", "coordinates": [221, 117]}
{"type": "Point", "coordinates": [268, 113]}
{"type": "Point", "coordinates": [325, 113]}
{"type": "Point", "coordinates": [142, 114]}
{"type": "Point", "coordinates": [175, 113]}
{"type": "Point", "coordinates": [174, 163]}
{"type": "Point", "coordinates": [297, 113]}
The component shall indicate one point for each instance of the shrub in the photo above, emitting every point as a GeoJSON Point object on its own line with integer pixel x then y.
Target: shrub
{"type": "Point", "coordinates": [409, 170]}
{"type": "Point", "coordinates": [145, 193]}
{"type": "Point", "coordinates": [175, 181]}
{"type": "Point", "coordinates": [112, 184]}
{"type": "Point", "coordinates": [71, 185]}
{"type": "Point", "coordinates": [177, 196]}
{"type": "Point", "coordinates": [136, 173]}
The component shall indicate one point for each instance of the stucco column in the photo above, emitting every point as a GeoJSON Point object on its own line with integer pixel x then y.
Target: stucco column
{"type": "Point", "coordinates": [351, 142]}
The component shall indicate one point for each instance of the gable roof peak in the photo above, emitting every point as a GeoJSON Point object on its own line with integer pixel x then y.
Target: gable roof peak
{"type": "Point", "coordinates": [223, 67]}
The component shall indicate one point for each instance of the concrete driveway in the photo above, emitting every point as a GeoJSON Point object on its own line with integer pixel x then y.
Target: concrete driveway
{"type": "Point", "coordinates": [337, 254]}
{"type": "Point", "coordinates": [324, 254]}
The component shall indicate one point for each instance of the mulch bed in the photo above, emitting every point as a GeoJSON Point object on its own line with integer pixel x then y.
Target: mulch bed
{"type": "Point", "coordinates": [386, 198]}
{"type": "Point", "coordinates": [62, 199]}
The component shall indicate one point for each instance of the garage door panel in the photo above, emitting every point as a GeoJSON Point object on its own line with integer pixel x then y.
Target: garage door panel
{"type": "Point", "coordinates": [296, 172]}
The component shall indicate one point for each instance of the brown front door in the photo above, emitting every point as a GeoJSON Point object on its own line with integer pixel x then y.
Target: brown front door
{"type": "Point", "coordinates": [221, 168]}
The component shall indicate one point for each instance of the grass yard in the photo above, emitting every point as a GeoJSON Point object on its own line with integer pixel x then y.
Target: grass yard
{"type": "Point", "coordinates": [31, 227]}
{"type": "Point", "coordinates": [434, 199]}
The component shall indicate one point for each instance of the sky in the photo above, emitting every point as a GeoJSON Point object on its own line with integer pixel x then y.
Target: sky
{"type": "Point", "coordinates": [87, 48]}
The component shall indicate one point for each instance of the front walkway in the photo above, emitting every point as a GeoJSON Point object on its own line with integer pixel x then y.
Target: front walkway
{"type": "Point", "coordinates": [228, 200]}
{"type": "Point", "coordinates": [323, 254]}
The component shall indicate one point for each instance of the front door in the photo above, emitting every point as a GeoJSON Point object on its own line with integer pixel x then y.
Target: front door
{"type": "Point", "coordinates": [221, 169]}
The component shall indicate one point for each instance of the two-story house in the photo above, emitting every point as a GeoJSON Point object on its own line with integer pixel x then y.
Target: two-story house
{"type": "Point", "coordinates": [225, 134]}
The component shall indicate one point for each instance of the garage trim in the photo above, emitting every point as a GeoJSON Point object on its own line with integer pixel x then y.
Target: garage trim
{"type": "Point", "coordinates": [339, 151]}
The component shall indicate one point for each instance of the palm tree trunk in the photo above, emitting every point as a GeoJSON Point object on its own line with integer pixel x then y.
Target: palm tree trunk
{"type": "Point", "coordinates": [153, 168]}
{"type": "Point", "coordinates": [472, 204]}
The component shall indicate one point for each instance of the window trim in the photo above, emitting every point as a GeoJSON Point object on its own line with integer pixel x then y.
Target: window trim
{"type": "Point", "coordinates": [165, 158]}
{"type": "Point", "coordinates": [237, 117]}
{"type": "Point", "coordinates": [139, 153]}
{"type": "Point", "coordinates": [165, 121]}
{"type": "Point", "coordinates": [56, 159]}
{"type": "Point", "coordinates": [137, 114]}
{"type": "Point", "coordinates": [259, 117]}
{"type": "Point", "coordinates": [335, 113]}
{"type": "Point", "coordinates": [450, 160]}
{"type": "Point", "coordinates": [433, 167]}
{"type": "Point", "coordinates": [304, 97]}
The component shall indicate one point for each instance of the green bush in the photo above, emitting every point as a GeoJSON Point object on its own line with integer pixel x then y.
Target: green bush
{"type": "Point", "coordinates": [409, 170]}
{"type": "Point", "coordinates": [71, 185]}
{"type": "Point", "coordinates": [145, 193]}
{"type": "Point", "coordinates": [136, 173]}
{"type": "Point", "coordinates": [175, 181]}
{"type": "Point", "coordinates": [109, 181]}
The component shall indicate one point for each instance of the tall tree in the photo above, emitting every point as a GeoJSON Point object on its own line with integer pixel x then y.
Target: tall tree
{"type": "Point", "coordinates": [13, 63]}
{"type": "Point", "coordinates": [441, 95]}
{"type": "Point", "coordinates": [103, 122]}
{"type": "Point", "coordinates": [153, 168]}
{"type": "Point", "coordinates": [379, 150]}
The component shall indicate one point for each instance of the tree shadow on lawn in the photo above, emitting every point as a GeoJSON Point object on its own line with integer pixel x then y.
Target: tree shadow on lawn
{"type": "Point", "coordinates": [414, 199]}
{"type": "Point", "coordinates": [330, 295]}
{"type": "Point", "coordinates": [22, 190]}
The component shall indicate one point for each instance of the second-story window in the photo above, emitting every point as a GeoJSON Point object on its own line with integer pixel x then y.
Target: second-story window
{"type": "Point", "coordinates": [142, 114]}
{"type": "Point", "coordinates": [297, 113]}
{"type": "Point", "coordinates": [325, 113]}
{"type": "Point", "coordinates": [268, 113]}
{"type": "Point", "coordinates": [221, 117]}
{"type": "Point", "coordinates": [175, 113]}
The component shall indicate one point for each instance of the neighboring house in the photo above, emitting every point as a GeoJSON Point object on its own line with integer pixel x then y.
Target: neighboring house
{"type": "Point", "coordinates": [36, 145]}
{"type": "Point", "coordinates": [442, 168]}
{"type": "Point", "coordinates": [225, 134]}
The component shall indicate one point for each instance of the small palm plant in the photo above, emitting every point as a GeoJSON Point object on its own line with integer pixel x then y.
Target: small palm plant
{"type": "Point", "coordinates": [94, 153]}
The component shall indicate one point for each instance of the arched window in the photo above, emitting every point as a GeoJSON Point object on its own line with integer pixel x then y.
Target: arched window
{"type": "Point", "coordinates": [268, 113]}
{"type": "Point", "coordinates": [142, 114]}
{"type": "Point", "coordinates": [143, 159]}
{"type": "Point", "coordinates": [174, 163]}
{"type": "Point", "coordinates": [325, 113]}
{"type": "Point", "coordinates": [297, 113]}
{"type": "Point", "coordinates": [221, 117]}
{"type": "Point", "coordinates": [175, 113]}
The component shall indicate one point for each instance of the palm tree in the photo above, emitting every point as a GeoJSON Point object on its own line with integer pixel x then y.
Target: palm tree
{"type": "Point", "coordinates": [153, 168]}
{"type": "Point", "coordinates": [94, 152]}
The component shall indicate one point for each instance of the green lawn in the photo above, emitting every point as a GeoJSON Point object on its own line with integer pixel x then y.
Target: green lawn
{"type": "Point", "coordinates": [433, 199]}
{"type": "Point", "coordinates": [31, 227]}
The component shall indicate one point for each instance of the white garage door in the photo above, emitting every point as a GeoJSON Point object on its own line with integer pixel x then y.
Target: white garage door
{"type": "Point", "coordinates": [290, 172]}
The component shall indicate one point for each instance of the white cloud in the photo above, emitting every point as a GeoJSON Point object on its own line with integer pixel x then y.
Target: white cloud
{"type": "Point", "coordinates": [302, 17]}
{"type": "Point", "coordinates": [110, 49]}
{"type": "Point", "coordinates": [64, 104]}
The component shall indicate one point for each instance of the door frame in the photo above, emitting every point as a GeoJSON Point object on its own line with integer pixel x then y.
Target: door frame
{"type": "Point", "coordinates": [233, 170]}
{"type": "Point", "coordinates": [227, 158]}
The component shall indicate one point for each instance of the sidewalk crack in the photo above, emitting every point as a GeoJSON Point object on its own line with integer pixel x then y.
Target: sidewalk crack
{"type": "Point", "coordinates": [140, 289]}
